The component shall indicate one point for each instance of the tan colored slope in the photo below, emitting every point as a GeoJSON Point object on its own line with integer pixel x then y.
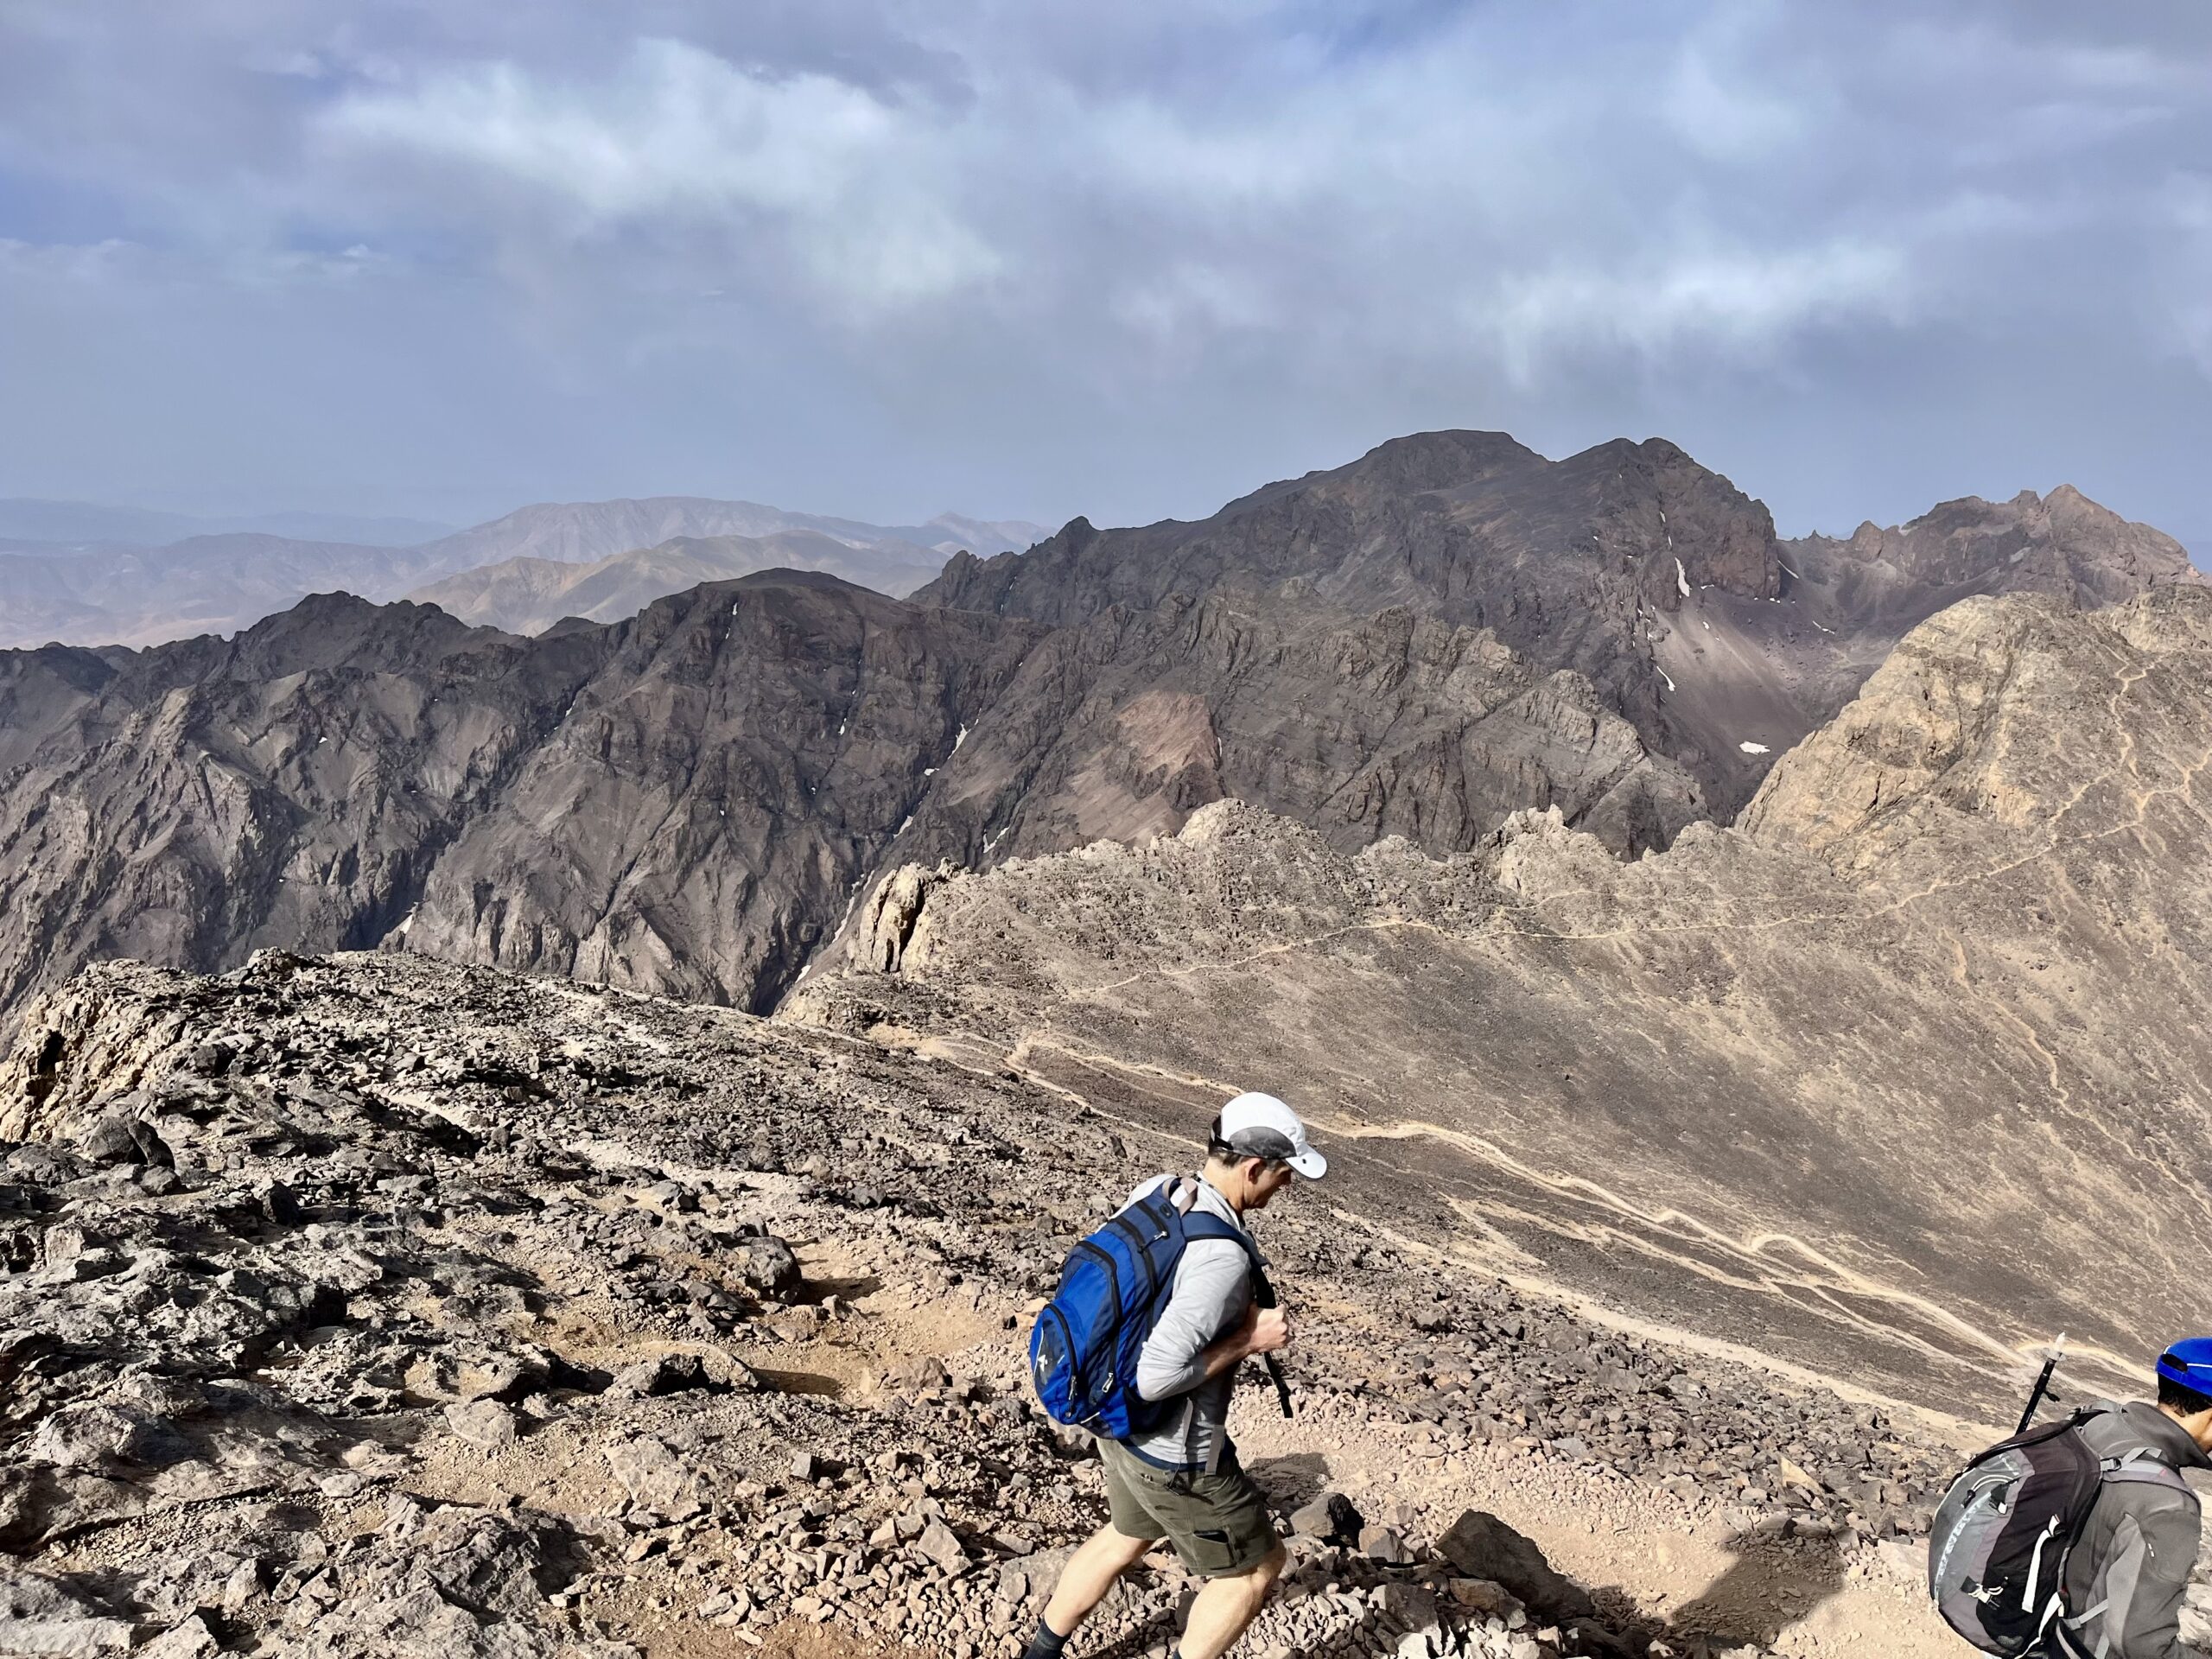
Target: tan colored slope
{"type": "Point", "coordinates": [1898, 1077]}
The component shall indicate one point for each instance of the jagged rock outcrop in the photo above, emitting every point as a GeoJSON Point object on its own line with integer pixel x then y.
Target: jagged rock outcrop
{"type": "Point", "coordinates": [374, 1305]}
{"type": "Point", "coordinates": [1901, 1067]}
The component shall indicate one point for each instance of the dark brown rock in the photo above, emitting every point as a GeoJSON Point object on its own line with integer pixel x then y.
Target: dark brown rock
{"type": "Point", "coordinates": [1480, 1545]}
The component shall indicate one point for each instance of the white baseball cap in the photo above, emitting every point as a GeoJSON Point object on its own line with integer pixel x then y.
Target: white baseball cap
{"type": "Point", "coordinates": [1260, 1126]}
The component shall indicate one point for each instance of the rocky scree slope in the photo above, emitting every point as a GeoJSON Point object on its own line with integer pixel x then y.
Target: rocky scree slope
{"type": "Point", "coordinates": [1895, 1079]}
{"type": "Point", "coordinates": [372, 1306]}
{"type": "Point", "coordinates": [1652, 577]}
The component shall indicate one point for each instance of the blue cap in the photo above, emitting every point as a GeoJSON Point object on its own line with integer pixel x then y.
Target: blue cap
{"type": "Point", "coordinates": [2189, 1363]}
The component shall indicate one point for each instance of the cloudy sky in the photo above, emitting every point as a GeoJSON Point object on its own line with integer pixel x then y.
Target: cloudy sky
{"type": "Point", "coordinates": [886, 256]}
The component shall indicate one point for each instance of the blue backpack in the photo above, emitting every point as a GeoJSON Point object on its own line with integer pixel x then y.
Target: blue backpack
{"type": "Point", "coordinates": [1084, 1347]}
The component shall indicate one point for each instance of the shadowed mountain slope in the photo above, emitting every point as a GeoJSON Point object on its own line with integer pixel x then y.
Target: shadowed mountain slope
{"type": "Point", "coordinates": [303, 784]}
{"type": "Point", "coordinates": [1898, 1075]}
{"type": "Point", "coordinates": [1393, 724]}
{"type": "Point", "coordinates": [690, 801]}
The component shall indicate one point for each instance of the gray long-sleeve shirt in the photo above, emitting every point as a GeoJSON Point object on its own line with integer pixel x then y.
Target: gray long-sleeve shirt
{"type": "Point", "coordinates": [2131, 1565]}
{"type": "Point", "coordinates": [1212, 1289]}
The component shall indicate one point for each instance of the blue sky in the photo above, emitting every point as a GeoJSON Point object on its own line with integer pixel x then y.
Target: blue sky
{"type": "Point", "coordinates": [1128, 261]}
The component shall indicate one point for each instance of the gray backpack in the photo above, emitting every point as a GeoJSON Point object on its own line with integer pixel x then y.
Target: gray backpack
{"type": "Point", "coordinates": [1996, 1552]}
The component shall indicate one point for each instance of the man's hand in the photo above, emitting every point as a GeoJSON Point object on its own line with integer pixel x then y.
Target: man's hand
{"type": "Point", "coordinates": [1261, 1331]}
{"type": "Point", "coordinates": [1266, 1330]}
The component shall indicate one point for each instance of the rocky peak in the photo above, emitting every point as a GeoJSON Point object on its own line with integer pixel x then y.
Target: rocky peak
{"type": "Point", "coordinates": [2063, 543]}
{"type": "Point", "coordinates": [1435, 461]}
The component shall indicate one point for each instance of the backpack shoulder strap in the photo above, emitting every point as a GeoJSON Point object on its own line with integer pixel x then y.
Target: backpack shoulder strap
{"type": "Point", "coordinates": [1199, 1224]}
{"type": "Point", "coordinates": [2144, 1466]}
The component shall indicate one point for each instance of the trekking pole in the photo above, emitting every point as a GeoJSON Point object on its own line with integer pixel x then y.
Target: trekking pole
{"type": "Point", "coordinates": [1263, 1295]}
{"type": "Point", "coordinates": [1283, 1389]}
{"type": "Point", "coordinates": [2042, 1383]}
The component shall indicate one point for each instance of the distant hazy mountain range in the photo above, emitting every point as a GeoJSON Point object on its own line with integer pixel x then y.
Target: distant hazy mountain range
{"type": "Point", "coordinates": [528, 595]}
{"type": "Point", "coordinates": [24, 518]}
{"type": "Point", "coordinates": [82, 574]}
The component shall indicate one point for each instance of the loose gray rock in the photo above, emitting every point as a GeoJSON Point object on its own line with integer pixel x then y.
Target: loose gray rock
{"type": "Point", "coordinates": [1386, 1545]}
{"type": "Point", "coordinates": [1332, 1518]}
{"type": "Point", "coordinates": [766, 1265]}
{"type": "Point", "coordinates": [487, 1423]}
{"type": "Point", "coordinates": [942, 1546]}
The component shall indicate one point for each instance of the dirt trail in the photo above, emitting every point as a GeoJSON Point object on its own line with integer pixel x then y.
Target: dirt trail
{"type": "Point", "coordinates": [1633, 1547]}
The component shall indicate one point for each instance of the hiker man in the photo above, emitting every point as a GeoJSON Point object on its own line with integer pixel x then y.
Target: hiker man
{"type": "Point", "coordinates": [2132, 1562]}
{"type": "Point", "coordinates": [1179, 1478]}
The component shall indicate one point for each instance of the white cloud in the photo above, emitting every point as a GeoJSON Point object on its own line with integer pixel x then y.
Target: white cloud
{"type": "Point", "coordinates": [1738, 301]}
{"type": "Point", "coordinates": [1354, 213]}
{"type": "Point", "coordinates": [1727, 101]}
{"type": "Point", "coordinates": [1167, 244]}
{"type": "Point", "coordinates": [680, 135]}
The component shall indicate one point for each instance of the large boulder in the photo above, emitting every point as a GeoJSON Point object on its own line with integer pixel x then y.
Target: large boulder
{"type": "Point", "coordinates": [1480, 1545]}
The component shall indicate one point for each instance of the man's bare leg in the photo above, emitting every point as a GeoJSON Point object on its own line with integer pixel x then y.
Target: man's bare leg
{"type": "Point", "coordinates": [1090, 1572]}
{"type": "Point", "coordinates": [1225, 1606]}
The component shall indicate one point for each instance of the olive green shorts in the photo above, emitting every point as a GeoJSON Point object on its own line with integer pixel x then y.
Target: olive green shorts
{"type": "Point", "coordinates": [1218, 1523]}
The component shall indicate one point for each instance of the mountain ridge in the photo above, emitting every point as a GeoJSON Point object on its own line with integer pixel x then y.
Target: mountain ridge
{"type": "Point", "coordinates": [640, 802]}
{"type": "Point", "coordinates": [1627, 564]}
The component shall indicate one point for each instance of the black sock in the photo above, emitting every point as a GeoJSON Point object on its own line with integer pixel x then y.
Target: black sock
{"type": "Point", "coordinates": [1046, 1643]}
